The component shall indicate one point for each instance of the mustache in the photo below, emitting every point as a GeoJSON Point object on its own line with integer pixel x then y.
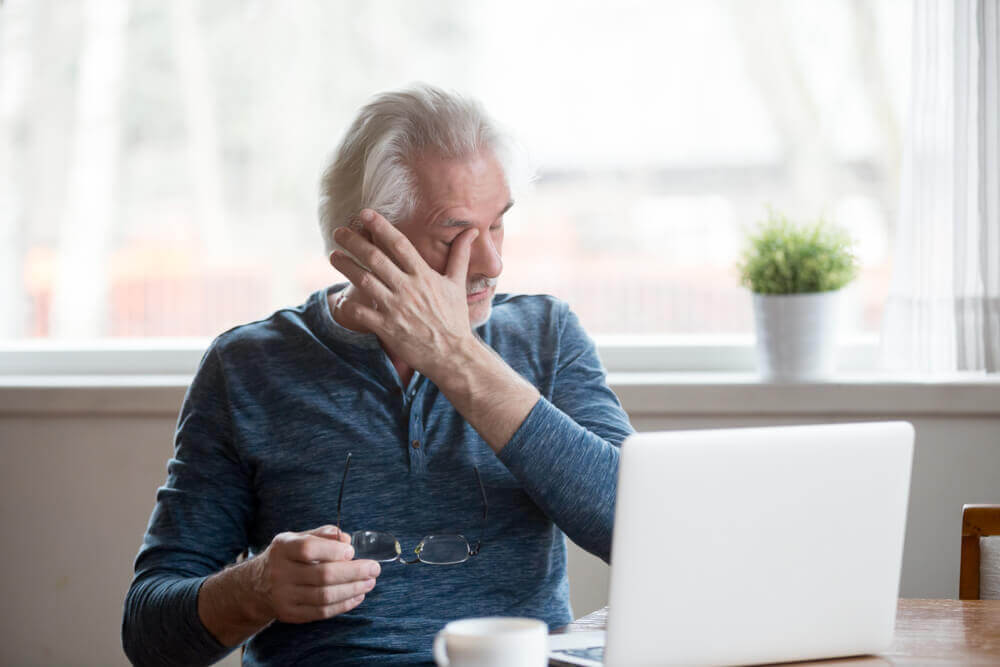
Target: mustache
{"type": "Point", "coordinates": [480, 284]}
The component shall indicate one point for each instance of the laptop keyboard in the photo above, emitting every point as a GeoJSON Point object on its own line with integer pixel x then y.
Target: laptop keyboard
{"type": "Point", "coordinates": [592, 653]}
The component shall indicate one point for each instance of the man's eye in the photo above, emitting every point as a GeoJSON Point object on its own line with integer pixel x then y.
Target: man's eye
{"type": "Point", "coordinates": [448, 244]}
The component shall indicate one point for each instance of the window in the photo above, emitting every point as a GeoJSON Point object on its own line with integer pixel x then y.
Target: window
{"type": "Point", "coordinates": [160, 160]}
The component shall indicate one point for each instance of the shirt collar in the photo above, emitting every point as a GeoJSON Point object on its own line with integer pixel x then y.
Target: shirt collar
{"type": "Point", "coordinates": [335, 330]}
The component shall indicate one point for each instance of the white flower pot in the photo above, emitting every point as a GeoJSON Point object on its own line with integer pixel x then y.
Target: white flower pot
{"type": "Point", "coordinates": [796, 335]}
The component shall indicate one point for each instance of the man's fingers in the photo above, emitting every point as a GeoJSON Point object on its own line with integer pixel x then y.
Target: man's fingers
{"type": "Point", "coordinates": [370, 318]}
{"type": "Point", "coordinates": [371, 255]}
{"type": "Point", "coordinates": [324, 596]}
{"type": "Point", "coordinates": [305, 548]}
{"type": "Point", "coordinates": [392, 241]}
{"type": "Point", "coordinates": [331, 574]}
{"type": "Point", "coordinates": [366, 281]}
{"type": "Point", "coordinates": [458, 259]}
{"type": "Point", "coordinates": [330, 532]}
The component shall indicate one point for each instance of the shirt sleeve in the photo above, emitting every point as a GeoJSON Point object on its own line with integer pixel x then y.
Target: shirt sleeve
{"type": "Point", "coordinates": [198, 526]}
{"type": "Point", "coordinates": [566, 451]}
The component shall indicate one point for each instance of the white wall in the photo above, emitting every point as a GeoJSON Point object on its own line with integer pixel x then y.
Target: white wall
{"type": "Point", "coordinates": [80, 468]}
{"type": "Point", "coordinates": [75, 496]}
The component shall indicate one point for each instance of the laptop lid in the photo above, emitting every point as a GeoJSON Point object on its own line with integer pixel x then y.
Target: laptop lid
{"type": "Point", "coordinates": [758, 545]}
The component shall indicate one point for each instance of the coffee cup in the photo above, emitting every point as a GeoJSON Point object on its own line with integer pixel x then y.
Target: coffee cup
{"type": "Point", "coordinates": [495, 641]}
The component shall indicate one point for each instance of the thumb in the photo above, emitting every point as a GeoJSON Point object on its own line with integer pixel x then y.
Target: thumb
{"type": "Point", "coordinates": [458, 259]}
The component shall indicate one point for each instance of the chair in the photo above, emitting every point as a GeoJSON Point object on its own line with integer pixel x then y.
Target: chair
{"type": "Point", "coordinates": [979, 573]}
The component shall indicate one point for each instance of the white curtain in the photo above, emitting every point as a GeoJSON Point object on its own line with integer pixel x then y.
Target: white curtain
{"type": "Point", "coordinates": [943, 311]}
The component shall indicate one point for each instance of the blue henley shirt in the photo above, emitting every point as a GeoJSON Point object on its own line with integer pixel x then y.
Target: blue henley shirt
{"type": "Point", "coordinates": [260, 446]}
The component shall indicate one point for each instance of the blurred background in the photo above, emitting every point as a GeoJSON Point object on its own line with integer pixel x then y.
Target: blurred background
{"type": "Point", "coordinates": [159, 161]}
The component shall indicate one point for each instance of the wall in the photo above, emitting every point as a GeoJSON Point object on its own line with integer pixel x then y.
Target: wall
{"type": "Point", "coordinates": [80, 468]}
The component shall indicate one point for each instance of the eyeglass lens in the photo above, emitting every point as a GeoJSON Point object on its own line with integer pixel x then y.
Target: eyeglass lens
{"type": "Point", "coordinates": [432, 550]}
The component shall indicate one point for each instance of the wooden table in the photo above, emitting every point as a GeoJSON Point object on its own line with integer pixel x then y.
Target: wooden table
{"type": "Point", "coordinates": [928, 632]}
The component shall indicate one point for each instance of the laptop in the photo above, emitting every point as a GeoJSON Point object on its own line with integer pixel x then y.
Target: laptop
{"type": "Point", "coordinates": [757, 545]}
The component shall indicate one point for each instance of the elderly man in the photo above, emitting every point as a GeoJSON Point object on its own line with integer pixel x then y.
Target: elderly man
{"type": "Point", "coordinates": [398, 408]}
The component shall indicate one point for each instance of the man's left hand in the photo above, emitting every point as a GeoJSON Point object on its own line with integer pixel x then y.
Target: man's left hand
{"type": "Point", "coordinates": [421, 316]}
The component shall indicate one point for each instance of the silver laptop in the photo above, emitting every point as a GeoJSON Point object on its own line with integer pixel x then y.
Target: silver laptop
{"type": "Point", "coordinates": [744, 546]}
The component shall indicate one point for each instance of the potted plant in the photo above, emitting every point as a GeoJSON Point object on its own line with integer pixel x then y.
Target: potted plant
{"type": "Point", "coordinates": [796, 274]}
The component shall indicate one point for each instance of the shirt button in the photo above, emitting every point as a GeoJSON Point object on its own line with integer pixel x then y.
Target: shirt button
{"type": "Point", "coordinates": [416, 444]}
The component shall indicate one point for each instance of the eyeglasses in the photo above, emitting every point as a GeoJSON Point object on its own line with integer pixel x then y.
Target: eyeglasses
{"type": "Point", "coordinates": [432, 549]}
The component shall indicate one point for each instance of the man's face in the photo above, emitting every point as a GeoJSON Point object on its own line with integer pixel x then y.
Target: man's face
{"type": "Point", "coordinates": [456, 195]}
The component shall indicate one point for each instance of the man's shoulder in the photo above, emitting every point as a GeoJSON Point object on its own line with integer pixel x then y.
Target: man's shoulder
{"type": "Point", "coordinates": [283, 327]}
{"type": "Point", "coordinates": [523, 322]}
{"type": "Point", "coordinates": [527, 310]}
{"type": "Point", "coordinates": [533, 332]}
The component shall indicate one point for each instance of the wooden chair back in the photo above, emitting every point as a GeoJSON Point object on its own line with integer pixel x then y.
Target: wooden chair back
{"type": "Point", "coordinates": [977, 521]}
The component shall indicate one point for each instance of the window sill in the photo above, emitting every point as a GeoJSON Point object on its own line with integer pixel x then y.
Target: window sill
{"type": "Point", "coordinates": [868, 394]}
{"type": "Point", "coordinates": [642, 394]}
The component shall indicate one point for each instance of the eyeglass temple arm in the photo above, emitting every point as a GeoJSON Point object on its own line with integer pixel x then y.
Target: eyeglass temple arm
{"type": "Point", "coordinates": [340, 497]}
{"type": "Point", "coordinates": [486, 507]}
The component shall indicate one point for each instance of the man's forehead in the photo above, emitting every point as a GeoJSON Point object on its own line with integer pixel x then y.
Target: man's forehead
{"type": "Point", "coordinates": [476, 183]}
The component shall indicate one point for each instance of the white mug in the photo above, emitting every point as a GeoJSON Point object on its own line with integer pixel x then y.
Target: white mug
{"type": "Point", "coordinates": [495, 641]}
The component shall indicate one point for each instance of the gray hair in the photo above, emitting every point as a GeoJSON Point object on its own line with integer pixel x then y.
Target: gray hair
{"type": "Point", "coordinates": [373, 165]}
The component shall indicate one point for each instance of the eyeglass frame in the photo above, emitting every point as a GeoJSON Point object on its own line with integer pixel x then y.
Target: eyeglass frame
{"type": "Point", "coordinates": [473, 550]}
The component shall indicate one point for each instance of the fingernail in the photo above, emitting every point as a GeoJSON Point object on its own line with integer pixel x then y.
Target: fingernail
{"type": "Point", "coordinates": [373, 570]}
{"type": "Point", "coordinates": [359, 598]}
{"type": "Point", "coordinates": [348, 553]}
{"type": "Point", "coordinates": [369, 584]}
{"type": "Point", "coordinates": [367, 215]}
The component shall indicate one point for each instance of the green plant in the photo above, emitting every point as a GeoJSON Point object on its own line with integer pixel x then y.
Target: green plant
{"type": "Point", "coordinates": [782, 258]}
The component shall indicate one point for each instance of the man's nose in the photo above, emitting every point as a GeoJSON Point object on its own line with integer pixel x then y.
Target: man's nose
{"type": "Point", "coordinates": [484, 257]}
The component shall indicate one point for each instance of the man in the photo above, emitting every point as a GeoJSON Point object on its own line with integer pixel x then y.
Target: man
{"type": "Point", "coordinates": [386, 370]}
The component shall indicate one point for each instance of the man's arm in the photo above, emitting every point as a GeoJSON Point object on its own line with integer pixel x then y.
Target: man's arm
{"type": "Point", "coordinates": [184, 607]}
{"type": "Point", "coordinates": [565, 452]}
{"type": "Point", "coordinates": [173, 619]}
{"type": "Point", "coordinates": [484, 389]}
{"type": "Point", "coordinates": [197, 527]}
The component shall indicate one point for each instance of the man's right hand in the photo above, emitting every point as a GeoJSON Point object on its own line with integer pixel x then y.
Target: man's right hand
{"type": "Point", "coordinates": [300, 577]}
{"type": "Point", "coordinates": [310, 576]}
